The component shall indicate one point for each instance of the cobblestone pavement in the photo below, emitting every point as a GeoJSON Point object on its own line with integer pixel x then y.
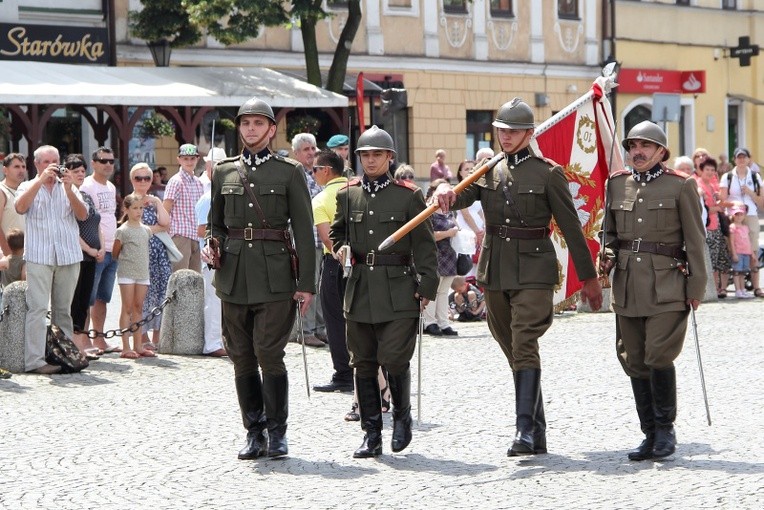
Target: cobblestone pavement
{"type": "Point", "coordinates": [163, 433]}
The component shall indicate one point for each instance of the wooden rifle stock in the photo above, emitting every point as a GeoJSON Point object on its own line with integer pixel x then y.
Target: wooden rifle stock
{"type": "Point", "coordinates": [430, 210]}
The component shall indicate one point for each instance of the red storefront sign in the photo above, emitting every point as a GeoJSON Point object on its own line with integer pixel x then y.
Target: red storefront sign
{"type": "Point", "coordinates": [648, 81]}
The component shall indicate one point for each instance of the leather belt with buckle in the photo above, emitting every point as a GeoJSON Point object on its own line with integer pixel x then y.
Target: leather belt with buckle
{"type": "Point", "coordinates": [505, 232]}
{"type": "Point", "coordinates": [256, 234]}
{"type": "Point", "coordinates": [641, 246]}
{"type": "Point", "coordinates": [381, 259]}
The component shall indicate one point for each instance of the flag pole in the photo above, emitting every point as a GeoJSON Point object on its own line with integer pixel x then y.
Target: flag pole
{"type": "Point", "coordinates": [605, 83]}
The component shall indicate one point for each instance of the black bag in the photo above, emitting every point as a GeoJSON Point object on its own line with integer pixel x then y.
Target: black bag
{"type": "Point", "coordinates": [463, 264]}
{"type": "Point", "coordinates": [61, 351]}
{"type": "Point", "coordinates": [724, 224]}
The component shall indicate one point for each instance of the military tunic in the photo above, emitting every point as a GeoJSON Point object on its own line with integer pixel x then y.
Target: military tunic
{"type": "Point", "coordinates": [650, 290]}
{"type": "Point", "coordinates": [255, 281]}
{"type": "Point", "coordinates": [519, 274]}
{"type": "Point", "coordinates": [383, 295]}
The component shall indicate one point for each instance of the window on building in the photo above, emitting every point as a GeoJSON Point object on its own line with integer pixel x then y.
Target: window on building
{"type": "Point", "coordinates": [455, 6]}
{"type": "Point", "coordinates": [730, 5]}
{"type": "Point", "coordinates": [501, 8]}
{"type": "Point", "coordinates": [479, 132]}
{"type": "Point", "coordinates": [567, 9]}
{"type": "Point", "coordinates": [683, 2]}
{"type": "Point", "coordinates": [399, 3]}
{"type": "Point", "coordinates": [635, 116]}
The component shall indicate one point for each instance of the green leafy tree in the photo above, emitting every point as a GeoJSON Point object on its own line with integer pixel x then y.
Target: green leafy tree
{"type": "Point", "coordinates": [164, 19]}
{"type": "Point", "coordinates": [235, 21]}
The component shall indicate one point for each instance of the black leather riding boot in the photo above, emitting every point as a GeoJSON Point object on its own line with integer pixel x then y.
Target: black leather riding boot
{"type": "Point", "coordinates": [527, 386]}
{"type": "Point", "coordinates": [539, 426]}
{"type": "Point", "coordinates": [276, 393]}
{"type": "Point", "coordinates": [643, 397]}
{"type": "Point", "coordinates": [249, 391]}
{"type": "Point", "coordinates": [400, 389]}
{"type": "Point", "coordinates": [663, 385]}
{"type": "Point", "coordinates": [370, 409]}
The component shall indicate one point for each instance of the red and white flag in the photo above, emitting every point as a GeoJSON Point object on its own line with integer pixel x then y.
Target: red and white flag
{"type": "Point", "coordinates": [580, 139]}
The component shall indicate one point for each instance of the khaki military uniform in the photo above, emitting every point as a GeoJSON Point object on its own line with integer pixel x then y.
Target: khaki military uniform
{"type": "Point", "coordinates": [255, 281]}
{"type": "Point", "coordinates": [519, 274]}
{"type": "Point", "coordinates": [650, 290]}
{"type": "Point", "coordinates": [379, 304]}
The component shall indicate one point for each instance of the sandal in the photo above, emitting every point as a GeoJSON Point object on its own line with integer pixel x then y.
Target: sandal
{"type": "Point", "coordinates": [129, 355]}
{"type": "Point", "coordinates": [150, 346]}
{"type": "Point", "coordinates": [353, 414]}
{"type": "Point", "coordinates": [147, 353]}
{"type": "Point", "coordinates": [721, 294]}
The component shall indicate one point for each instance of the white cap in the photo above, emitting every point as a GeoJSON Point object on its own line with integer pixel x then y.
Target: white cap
{"type": "Point", "coordinates": [215, 154]}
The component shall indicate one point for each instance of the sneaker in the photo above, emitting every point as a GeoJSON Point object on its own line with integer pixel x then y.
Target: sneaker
{"type": "Point", "coordinates": [741, 294]}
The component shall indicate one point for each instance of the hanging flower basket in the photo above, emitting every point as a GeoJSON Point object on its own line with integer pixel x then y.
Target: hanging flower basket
{"type": "Point", "coordinates": [302, 124]}
{"type": "Point", "coordinates": [156, 126]}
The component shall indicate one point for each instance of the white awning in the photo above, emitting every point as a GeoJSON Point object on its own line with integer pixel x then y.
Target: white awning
{"type": "Point", "coordinates": [45, 83]}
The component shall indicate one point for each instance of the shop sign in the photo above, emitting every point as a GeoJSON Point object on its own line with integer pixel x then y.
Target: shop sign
{"type": "Point", "coordinates": [650, 81]}
{"type": "Point", "coordinates": [47, 43]}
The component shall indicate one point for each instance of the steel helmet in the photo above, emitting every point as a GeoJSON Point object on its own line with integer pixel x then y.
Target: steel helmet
{"type": "Point", "coordinates": [375, 139]}
{"type": "Point", "coordinates": [515, 114]}
{"type": "Point", "coordinates": [650, 132]}
{"type": "Point", "coordinates": [256, 106]}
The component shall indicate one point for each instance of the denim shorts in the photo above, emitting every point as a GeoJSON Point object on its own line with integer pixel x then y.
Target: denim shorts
{"type": "Point", "coordinates": [103, 283]}
{"type": "Point", "coordinates": [743, 264]}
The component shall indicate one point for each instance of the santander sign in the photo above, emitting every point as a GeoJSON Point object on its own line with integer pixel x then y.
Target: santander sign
{"type": "Point", "coordinates": [648, 81]}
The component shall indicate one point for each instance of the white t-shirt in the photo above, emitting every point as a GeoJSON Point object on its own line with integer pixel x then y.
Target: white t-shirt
{"type": "Point", "coordinates": [105, 199]}
{"type": "Point", "coordinates": [734, 191]}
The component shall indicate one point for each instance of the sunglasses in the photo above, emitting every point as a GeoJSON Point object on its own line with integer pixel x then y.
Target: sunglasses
{"type": "Point", "coordinates": [319, 167]}
{"type": "Point", "coordinates": [104, 161]}
{"type": "Point", "coordinates": [143, 178]}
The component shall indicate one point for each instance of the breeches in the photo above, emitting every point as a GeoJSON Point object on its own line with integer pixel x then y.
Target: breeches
{"type": "Point", "coordinates": [390, 344]}
{"type": "Point", "coordinates": [655, 342]}
{"type": "Point", "coordinates": [517, 319]}
{"type": "Point", "coordinates": [257, 335]}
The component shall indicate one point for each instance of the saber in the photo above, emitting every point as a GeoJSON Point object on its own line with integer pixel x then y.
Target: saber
{"type": "Point", "coordinates": [700, 365]}
{"type": "Point", "coordinates": [302, 341]}
{"type": "Point", "coordinates": [419, 367]}
{"type": "Point", "coordinates": [429, 211]}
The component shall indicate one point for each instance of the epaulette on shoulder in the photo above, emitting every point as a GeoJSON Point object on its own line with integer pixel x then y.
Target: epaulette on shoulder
{"type": "Point", "coordinates": [229, 159]}
{"type": "Point", "coordinates": [676, 173]}
{"type": "Point", "coordinates": [548, 161]}
{"type": "Point", "coordinates": [403, 183]}
{"type": "Point", "coordinates": [620, 173]}
{"type": "Point", "coordinates": [283, 159]}
{"type": "Point", "coordinates": [352, 182]}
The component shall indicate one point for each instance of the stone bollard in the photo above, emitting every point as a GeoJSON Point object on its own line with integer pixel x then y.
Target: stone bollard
{"type": "Point", "coordinates": [183, 319]}
{"type": "Point", "coordinates": [12, 327]}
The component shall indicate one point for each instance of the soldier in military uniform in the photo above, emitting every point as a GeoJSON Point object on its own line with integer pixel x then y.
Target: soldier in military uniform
{"type": "Point", "coordinates": [256, 281]}
{"type": "Point", "coordinates": [384, 292]}
{"type": "Point", "coordinates": [655, 239]}
{"type": "Point", "coordinates": [518, 262]}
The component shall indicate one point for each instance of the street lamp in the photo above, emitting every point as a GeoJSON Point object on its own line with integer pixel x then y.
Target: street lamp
{"type": "Point", "coordinates": [160, 52]}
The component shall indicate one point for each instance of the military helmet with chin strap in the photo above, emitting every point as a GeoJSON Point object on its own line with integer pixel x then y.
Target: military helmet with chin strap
{"type": "Point", "coordinates": [649, 132]}
{"type": "Point", "coordinates": [375, 139]}
{"type": "Point", "coordinates": [515, 114]}
{"type": "Point", "coordinates": [256, 106]}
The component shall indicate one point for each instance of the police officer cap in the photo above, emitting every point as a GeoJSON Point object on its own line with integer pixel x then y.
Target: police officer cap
{"type": "Point", "coordinates": [649, 132]}
{"type": "Point", "coordinates": [256, 106]}
{"type": "Point", "coordinates": [375, 139]}
{"type": "Point", "coordinates": [515, 114]}
{"type": "Point", "coordinates": [337, 141]}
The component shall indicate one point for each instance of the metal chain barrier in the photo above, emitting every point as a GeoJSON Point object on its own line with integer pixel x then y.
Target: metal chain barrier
{"type": "Point", "coordinates": [132, 328]}
{"type": "Point", "coordinates": [4, 311]}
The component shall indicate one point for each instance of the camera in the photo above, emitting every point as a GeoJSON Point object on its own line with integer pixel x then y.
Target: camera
{"type": "Point", "coordinates": [61, 170]}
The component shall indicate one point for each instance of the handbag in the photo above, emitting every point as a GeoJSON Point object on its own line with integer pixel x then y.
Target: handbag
{"type": "Point", "coordinates": [463, 264]}
{"type": "Point", "coordinates": [61, 351]}
{"type": "Point", "coordinates": [172, 251]}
